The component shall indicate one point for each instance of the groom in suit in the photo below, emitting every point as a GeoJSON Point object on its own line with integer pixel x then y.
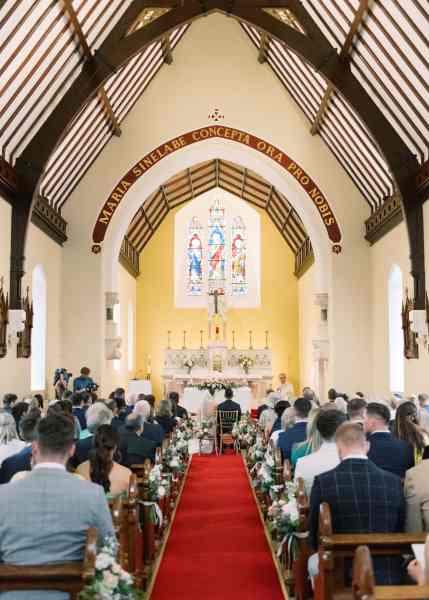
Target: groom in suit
{"type": "Point", "coordinates": [44, 517]}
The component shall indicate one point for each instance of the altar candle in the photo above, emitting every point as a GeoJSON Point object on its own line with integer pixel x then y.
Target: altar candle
{"type": "Point", "coordinates": [266, 340]}
{"type": "Point", "coordinates": [149, 364]}
{"type": "Point", "coordinates": [201, 337]}
{"type": "Point", "coordinates": [250, 340]}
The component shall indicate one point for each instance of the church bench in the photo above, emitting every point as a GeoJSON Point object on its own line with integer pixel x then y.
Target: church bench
{"type": "Point", "coordinates": [334, 549]}
{"type": "Point", "coordinates": [302, 584]}
{"type": "Point", "coordinates": [131, 541]}
{"type": "Point", "coordinates": [364, 587]}
{"type": "Point", "coordinates": [70, 577]}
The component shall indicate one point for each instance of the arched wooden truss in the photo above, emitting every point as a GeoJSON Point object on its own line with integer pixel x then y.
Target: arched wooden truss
{"type": "Point", "coordinates": [233, 178]}
{"type": "Point", "coordinates": [72, 69]}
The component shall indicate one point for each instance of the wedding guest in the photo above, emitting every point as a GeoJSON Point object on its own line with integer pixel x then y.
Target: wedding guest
{"type": "Point", "coordinates": [9, 441]}
{"type": "Point", "coordinates": [151, 431]}
{"type": "Point", "coordinates": [8, 402]}
{"type": "Point", "coordinates": [134, 446]}
{"type": "Point", "coordinates": [298, 432]}
{"type": "Point", "coordinates": [79, 408]}
{"type": "Point", "coordinates": [228, 404]}
{"type": "Point", "coordinates": [84, 382]}
{"type": "Point", "coordinates": [263, 406]}
{"type": "Point", "coordinates": [313, 439]}
{"type": "Point", "coordinates": [18, 411]}
{"type": "Point", "coordinates": [385, 450]}
{"type": "Point", "coordinates": [356, 410]}
{"type": "Point", "coordinates": [279, 409]}
{"type": "Point", "coordinates": [101, 467]}
{"type": "Point", "coordinates": [164, 416]}
{"type": "Point", "coordinates": [362, 498]}
{"type": "Point", "coordinates": [268, 416]}
{"type": "Point", "coordinates": [179, 411]}
{"type": "Point", "coordinates": [21, 461]}
{"type": "Point", "coordinates": [287, 421]}
{"type": "Point", "coordinates": [97, 415]}
{"type": "Point", "coordinates": [326, 458]}
{"type": "Point", "coordinates": [50, 510]}
{"type": "Point", "coordinates": [407, 428]}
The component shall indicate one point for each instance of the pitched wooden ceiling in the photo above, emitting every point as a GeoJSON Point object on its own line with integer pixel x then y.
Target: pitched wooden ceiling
{"type": "Point", "coordinates": [45, 44]}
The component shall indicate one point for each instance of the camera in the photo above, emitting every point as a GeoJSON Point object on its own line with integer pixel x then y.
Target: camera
{"type": "Point", "coordinates": [62, 373]}
{"type": "Point", "coordinates": [92, 387]}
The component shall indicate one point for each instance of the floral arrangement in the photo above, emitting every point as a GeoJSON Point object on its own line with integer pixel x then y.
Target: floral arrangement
{"type": "Point", "coordinates": [244, 431]}
{"type": "Point", "coordinates": [189, 364]}
{"type": "Point", "coordinates": [266, 473]}
{"type": "Point", "coordinates": [283, 521]}
{"type": "Point", "coordinates": [173, 459]}
{"type": "Point", "coordinates": [245, 362]}
{"type": "Point", "coordinates": [215, 385]}
{"type": "Point", "coordinates": [205, 429]}
{"type": "Point", "coordinates": [111, 582]}
{"type": "Point", "coordinates": [256, 452]}
{"type": "Point", "coordinates": [159, 484]}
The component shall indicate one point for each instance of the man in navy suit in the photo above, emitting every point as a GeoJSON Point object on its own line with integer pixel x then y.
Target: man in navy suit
{"type": "Point", "coordinates": [363, 499]}
{"type": "Point", "coordinates": [228, 405]}
{"type": "Point", "coordinates": [297, 433]}
{"type": "Point", "coordinates": [386, 451]}
{"type": "Point", "coordinates": [22, 460]}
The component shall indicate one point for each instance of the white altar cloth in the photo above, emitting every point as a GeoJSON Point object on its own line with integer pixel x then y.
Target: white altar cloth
{"type": "Point", "coordinates": [139, 386]}
{"type": "Point", "coordinates": [203, 404]}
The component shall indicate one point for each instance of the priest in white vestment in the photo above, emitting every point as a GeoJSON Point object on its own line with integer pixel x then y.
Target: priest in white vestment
{"type": "Point", "coordinates": [285, 389]}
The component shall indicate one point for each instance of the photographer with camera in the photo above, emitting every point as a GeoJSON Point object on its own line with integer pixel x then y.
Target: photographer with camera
{"type": "Point", "coordinates": [84, 383]}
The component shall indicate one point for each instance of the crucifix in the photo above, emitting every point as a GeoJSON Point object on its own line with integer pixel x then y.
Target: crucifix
{"type": "Point", "coordinates": [217, 313]}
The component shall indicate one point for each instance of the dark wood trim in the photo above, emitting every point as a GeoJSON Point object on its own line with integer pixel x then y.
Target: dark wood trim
{"type": "Point", "coordinates": [384, 219]}
{"type": "Point", "coordinates": [8, 180]}
{"type": "Point", "coordinates": [129, 258]}
{"type": "Point", "coordinates": [49, 221]}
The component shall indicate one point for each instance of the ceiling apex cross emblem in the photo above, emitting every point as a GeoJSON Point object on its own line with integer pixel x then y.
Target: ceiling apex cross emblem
{"type": "Point", "coordinates": [216, 116]}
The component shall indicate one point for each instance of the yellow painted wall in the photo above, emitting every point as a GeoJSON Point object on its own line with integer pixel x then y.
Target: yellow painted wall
{"type": "Point", "coordinates": [278, 314]}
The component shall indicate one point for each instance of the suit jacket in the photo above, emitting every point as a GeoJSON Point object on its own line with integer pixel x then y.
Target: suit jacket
{"type": "Point", "coordinates": [324, 459]}
{"type": "Point", "coordinates": [390, 454]}
{"type": "Point", "coordinates": [154, 432]}
{"type": "Point", "coordinates": [15, 463]}
{"type": "Point", "coordinates": [181, 412]}
{"type": "Point", "coordinates": [416, 490]}
{"type": "Point", "coordinates": [363, 499]}
{"type": "Point", "coordinates": [135, 448]}
{"type": "Point", "coordinates": [229, 405]}
{"type": "Point", "coordinates": [294, 435]}
{"type": "Point", "coordinates": [82, 450]}
{"type": "Point", "coordinates": [44, 518]}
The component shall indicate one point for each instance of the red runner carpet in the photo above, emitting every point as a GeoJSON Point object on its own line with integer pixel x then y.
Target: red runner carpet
{"type": "Point", "coordinates": [217, 549]}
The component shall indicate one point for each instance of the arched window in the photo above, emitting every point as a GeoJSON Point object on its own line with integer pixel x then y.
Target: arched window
{"type": "Point", "coordinates": [38, 334]}
{"type": "Point", "coordinates": [238, 257]}
{"type": "Point", "coordinates": [216, 249]}
{"type": "Point", "coordinates": [195, 258]}
{"type": "Point", "coordinates": [396, 338]}
{"type": "Point", "coordinates": [117, 320]}
{"type": "Point", "coordinates": [130, 336]}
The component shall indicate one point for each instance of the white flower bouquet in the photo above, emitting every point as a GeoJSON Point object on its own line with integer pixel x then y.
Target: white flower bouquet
{"type": "Point", "coordinates": [189, 364]}
{"type": "Point", "coordinates": [111, 581]}
{"type": "Point", "coordinates": [245, 362]}
{"type": "Point", "coordinates": [159, 485]}
{"type": "Point", "coordinates": [205, 429]}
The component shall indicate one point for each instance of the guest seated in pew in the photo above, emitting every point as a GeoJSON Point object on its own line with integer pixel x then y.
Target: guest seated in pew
{"type": "Point", "coordinates": [407, 428]}
{"type": "Point", "coordinates": [385, 450]}
{"type": "Point", "coordinates": [45, 517]}
{"type": "Point", "coordinates": [277, 428]}
{"type": "Point", "coordinates": [119, 410]}
{"type": "Point", "coordinates": [298, 432]}
{"type": "Point", "coordinates": [101, 467]}
{"type": "Point", "coordinates": [164, 416]}
{"type": "Point", "coordinates": [80, 406]}
{"type": "Point", "coordinates": [416, 489]}
{"type": "Point", "coordinates": [97, 414]}
{"type": "Point", "coordinates": [10, 443]}
{"type": "Point", "coordinates": [19, 410]}
{"type": "Point", "coordinates": [151, 431]}
{"type": "Point", "coordinates": [312, 442]}
{"type": "Point", "coordinates": [178, 410]}
{"type": "Point", "coordinates": [268, 416]}
{"type": "Point", "coordinates": [326, 458]}
{"type": "Point", "coordinates": [356, 410]}
{"type": "Point", "coordinates": [134, 447]}
{"type": "Point", "coordinates": [21, 461]}
{"type": "Point", "coordinates": [363, 499]}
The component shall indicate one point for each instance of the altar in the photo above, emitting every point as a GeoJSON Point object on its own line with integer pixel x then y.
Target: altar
{"type": "Point", "coordinates": [247, 370]}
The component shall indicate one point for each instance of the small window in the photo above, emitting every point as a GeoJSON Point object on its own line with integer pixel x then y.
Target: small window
{"type": "Point", "coordinates": [396, 337]}
{"type": "Point", "coordinates": [117, 320]}
{"type": "Point", "coordinates": [130, 336]}
{"type": "Point", "coordinates": [38, 334]}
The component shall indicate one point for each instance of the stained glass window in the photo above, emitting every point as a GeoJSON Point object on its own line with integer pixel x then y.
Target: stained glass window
{"type": "Point", "coordinates": [216, 248]}
{"type": "Point", "coordinates": [238, 258]}
{"type": "Point", "coordinates": [195, 258]}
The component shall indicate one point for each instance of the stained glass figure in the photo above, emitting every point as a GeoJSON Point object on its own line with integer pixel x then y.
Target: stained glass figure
{"type": "Point", "coordinates": [216, 248]}
{"type": "Point", "coordinates": [195, 258]}
{"type": "Point", "coordinates": [238, 258]}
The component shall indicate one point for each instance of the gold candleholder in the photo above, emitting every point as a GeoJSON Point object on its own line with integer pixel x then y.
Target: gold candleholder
{"type": "Point", "coordinates": [266, 340]}
{"type": "Point", "coordinates": [184, 340]}
{"type": "Point", "coordinates": [201, 338]}
{"type": "Point", "coordinates": [250, 340]}
{"type": "Point", "coordinates": [168, 339]}
{"type": "Point", "coordinates": [233, 339]}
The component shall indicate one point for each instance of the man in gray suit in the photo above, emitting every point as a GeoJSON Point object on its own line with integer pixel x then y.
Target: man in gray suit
{"type": "Point", "coordinates": [44, 517]}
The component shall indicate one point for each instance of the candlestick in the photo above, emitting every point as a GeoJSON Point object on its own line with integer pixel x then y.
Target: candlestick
{"type": "Point", "coordinates": [201, 338]}
{"type": "Point", "coordinates": [149, 364]}
{"type": "Point", "coordinates": [168, 340]}
{"type": "Point", "coordinates": [266, 340]}
{"type": "Point", "coordinates": [233, 339]}
{"type": "Point", "coordinates": [250, 340]}
{"type": "Point", "coordinates": [184, 339]}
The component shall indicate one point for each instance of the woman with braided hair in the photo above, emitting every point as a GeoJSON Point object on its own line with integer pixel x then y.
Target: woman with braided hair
{"type": "Point", "coordinates": [101, 467]}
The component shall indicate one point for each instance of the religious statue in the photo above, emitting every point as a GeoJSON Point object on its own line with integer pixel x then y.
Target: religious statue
{"type": "Point", "coordinates": [4, 309]}
{"type": "Point", "coordinates": [23, 348]}
{"type": "Point", "coordinates": [411, 347]}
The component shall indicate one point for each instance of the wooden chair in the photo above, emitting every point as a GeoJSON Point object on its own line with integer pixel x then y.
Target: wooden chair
{"type": "Point", "coordinates": [335, 549]}
{"type": "Point", "coordinates": [364, 587]}
{"type": "Point", "coordinates": [225, 420]}
{"type": "Point", "coordinates": [70, 577]}
{"type": "Point", "coordinates": [131, 542]}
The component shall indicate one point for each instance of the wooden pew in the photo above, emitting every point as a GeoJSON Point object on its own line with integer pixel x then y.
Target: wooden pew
{"type": "Point", "coordinates": [70, 577]}
{"type": "Point", "coordinates": [131, 542]}
{"type": "Point", "coordinates": [334, 549]}
{"type": "Point", "coordinates": [364, 587]}
{"type": "Point", "coordinates": [302, 584]}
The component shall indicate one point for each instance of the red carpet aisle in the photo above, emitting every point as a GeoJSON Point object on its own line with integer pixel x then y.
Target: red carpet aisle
{"type": "Point", "coordinates": [217, 549]}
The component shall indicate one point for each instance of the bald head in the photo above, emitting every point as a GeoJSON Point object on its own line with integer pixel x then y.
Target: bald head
{"type": "Point", "coordinates": [351, 440]}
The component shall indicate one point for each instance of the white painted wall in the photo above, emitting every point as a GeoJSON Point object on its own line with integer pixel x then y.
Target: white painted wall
{"type": "Point", "coordinates": [308, 326]}
{"type": "Point", "coordinates": [15, 373]}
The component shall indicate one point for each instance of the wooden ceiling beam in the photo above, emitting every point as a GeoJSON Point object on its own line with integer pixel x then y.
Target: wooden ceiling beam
{"type": "Point", "coordinates": [344, 55]}
{"type": "Point", "coordinates": [167, 54]}
{"type": "Point", "coordinates": [102, 95]}
{"type": "Point", "coordinates": [263, 48]}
